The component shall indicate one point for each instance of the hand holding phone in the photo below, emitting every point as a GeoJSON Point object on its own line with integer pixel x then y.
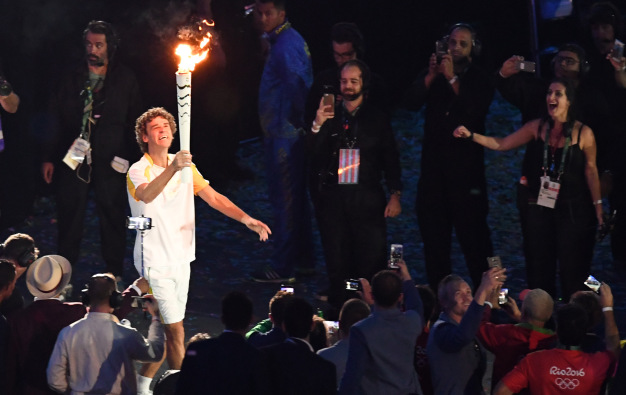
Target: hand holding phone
{"type": "Point", "coordinates": [328, 101]}
{"type": "Point", "coordinates": [592, 283]}
{"type": "Point", "coordinates": [494, 261]}
{"type": "Point", "coordinates": [395, 255]}
{"type": "Point", "coordinates": [527, 66]}
{"type": "Point", "coordinates": [618, 51]}
{"type": "Point", "coordinates": [441, 49]}
{"type": "Point", "coordinates": [353, 285]}
{"type": "Point", "coordinates": [503, 296]}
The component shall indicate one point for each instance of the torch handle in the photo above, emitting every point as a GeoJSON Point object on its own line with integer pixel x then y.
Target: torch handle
{"type": "Point", "coordinates": [183, 94]}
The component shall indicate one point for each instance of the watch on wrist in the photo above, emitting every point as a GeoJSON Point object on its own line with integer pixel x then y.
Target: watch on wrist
{"type": "Point", "coordinates": [396, 192]}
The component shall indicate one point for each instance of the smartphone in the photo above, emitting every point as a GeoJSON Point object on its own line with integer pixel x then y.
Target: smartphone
{"type": "Point", "coordinates": [618, 51]}
{"type": "Point", "coordinates": [592, 283]}
{"type": "Point", "coordinates": [494, 261]}
{"type": "Point", "coordinates": [441, 48]}
{"type": "Point", "coordinates": [287, 288]}
{"type": "Point", "coordinates": [353, 285]}
{"type": "Point", "coordinates": [395, 254]}
{"type": "Point", "coordinates": [524, 65]}
{"type": "Point", "coordinates": [329, 100]}
{"type": "Point", "coordinates": [502, 298]}
{"type": "Point", "coordinates": [139, 223]}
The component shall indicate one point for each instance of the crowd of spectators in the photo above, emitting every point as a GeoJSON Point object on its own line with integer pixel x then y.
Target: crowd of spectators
{"type": "Point", "coordinates": [389, 338]}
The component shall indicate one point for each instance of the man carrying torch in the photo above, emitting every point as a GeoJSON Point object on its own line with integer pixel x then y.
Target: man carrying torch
{"type": "Point", "coordinates": [156, 190]}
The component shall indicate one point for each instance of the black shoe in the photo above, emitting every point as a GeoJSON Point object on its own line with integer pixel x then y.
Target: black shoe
{"type": "Point", "coordinates": [269, 275]}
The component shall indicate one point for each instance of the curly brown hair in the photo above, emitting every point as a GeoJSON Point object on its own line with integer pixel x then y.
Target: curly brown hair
{"type": "Point", "coordinates": [145, 119]}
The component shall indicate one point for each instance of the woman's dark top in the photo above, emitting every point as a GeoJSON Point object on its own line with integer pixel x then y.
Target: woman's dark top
{"type": "Point", "coordinates": [573, 180]}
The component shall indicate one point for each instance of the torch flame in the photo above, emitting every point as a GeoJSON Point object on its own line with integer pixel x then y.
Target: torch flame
{"type": "Point", "coordinates": [190, 57]}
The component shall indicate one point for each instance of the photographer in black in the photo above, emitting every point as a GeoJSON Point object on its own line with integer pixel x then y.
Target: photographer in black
{"type": "Point", "coordinates": [352, 148]}
{"type": "Point", "coordinates": [452, 190]}
{"type": "Point", "coordinates": [20, 250]}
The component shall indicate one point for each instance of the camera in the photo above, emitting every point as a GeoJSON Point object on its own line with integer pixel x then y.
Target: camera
{"type": "Point", "coordinates": [502, 298]}
{"type": "Point", "coordinates": [395, 255]}
{"type": "Point", "coordinates": [441, 48]}
{"type": "Point", "coordinates": [618, 51]}
{"type": "Point", "coordinates": [139, 223]}
{"type": "Point", "coordinates": [353, 285]}
{"type": "Point", "coordinates": [494, 261]}
{"type": "Point", "coordinates": [140, 301]}
{"type": "Point", "coordinates": [592, 283]}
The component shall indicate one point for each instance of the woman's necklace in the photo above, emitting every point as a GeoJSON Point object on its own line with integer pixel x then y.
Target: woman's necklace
{"type": "Point", "coordinates": [555, 141]}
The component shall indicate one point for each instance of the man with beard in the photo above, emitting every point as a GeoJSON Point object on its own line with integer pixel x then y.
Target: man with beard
{"type": "Point", "coordinates": [451, 191]}
{"type": "Point", "coordinates": [347, 44]}
{"type": "Point", "coordinates": [93, 114]}
{"type": "Point", "coordinates": [351, 146]}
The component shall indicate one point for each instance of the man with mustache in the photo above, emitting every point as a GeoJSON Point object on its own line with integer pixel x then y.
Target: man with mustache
{"type": "Point", "coordinates": [451, 191]}
{"type": "Point", "coordinates": [349, 200]}
{"type": "Point", "coordinates": [92, 143]}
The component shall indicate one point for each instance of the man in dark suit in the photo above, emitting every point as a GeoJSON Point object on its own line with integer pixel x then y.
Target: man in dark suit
{"type": "Point", "coordinates": [226, 364]}
{"type": "Point", "coordinates": [294, 367]}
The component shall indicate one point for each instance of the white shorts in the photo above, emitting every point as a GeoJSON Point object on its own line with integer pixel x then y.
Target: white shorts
{"type": "Point", "coordinates": [170, 285]}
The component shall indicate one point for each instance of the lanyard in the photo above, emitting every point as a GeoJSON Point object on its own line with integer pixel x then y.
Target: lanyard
{"type": "Point", "coordinates": [546, 143]}
{"type": "Point", "coordinates": [349, 127]}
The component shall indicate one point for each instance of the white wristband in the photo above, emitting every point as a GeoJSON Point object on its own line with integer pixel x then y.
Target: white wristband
{"type": "Point", "coordinates": [605, 309]}
{"type": "Point", "coordinates": [453, 79]}
{"type": "Point", "coordinates": [597, 202]}
{"type": "Point", "coordinates": [489, 304]}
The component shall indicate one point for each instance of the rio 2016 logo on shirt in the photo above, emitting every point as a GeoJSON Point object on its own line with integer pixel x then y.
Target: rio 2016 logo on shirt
{"type": "Point", "coordinates": [555, 371]}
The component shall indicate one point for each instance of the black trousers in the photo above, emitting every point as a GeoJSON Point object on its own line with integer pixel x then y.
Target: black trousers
{"type": "Point", "coordinates": [353, 230]}
{"type": "Point", "coordinates": [563, 236]}
{"type": "Point", "coordinates": [443, 204]}
{"type": "Point", "coordinates": [109, 191]}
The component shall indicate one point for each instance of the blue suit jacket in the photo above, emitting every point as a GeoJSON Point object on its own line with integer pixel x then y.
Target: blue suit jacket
{"type": "Point", "coordinates": [380, 358]}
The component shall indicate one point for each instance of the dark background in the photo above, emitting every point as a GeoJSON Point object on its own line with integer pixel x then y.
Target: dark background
{"type": "Point", "coordinates": [41, 39]}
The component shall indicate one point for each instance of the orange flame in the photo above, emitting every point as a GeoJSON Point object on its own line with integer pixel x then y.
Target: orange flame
{"type": "Point", "coordinates": [190, 57]}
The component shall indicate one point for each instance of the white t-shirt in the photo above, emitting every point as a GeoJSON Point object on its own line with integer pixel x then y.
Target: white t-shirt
{"type": "Point", "coordinates": [171, 241]}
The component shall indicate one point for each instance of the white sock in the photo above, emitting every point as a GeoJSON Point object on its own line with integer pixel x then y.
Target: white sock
{"type": "Point", "coordinates": [143, 383]}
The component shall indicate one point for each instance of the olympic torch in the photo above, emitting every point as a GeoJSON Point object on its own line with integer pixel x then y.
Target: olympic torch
{"type": "Point", "coordinates": [188, 60]}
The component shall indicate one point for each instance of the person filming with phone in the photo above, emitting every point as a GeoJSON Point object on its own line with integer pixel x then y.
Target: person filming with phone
{"type": "Point", "coordinates": [452, 194]}
{"type": "Point", "coordinates": [352, 147]}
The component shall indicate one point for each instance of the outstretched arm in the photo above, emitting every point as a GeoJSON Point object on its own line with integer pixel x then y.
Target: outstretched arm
{"type": "Point", "coordinates": [222, 204]}
{"type": "Point", "coordinates": [513, 140]}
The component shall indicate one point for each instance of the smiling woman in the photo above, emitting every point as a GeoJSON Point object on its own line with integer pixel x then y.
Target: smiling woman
{"type": "Point", "coordinates": [563, 189]}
